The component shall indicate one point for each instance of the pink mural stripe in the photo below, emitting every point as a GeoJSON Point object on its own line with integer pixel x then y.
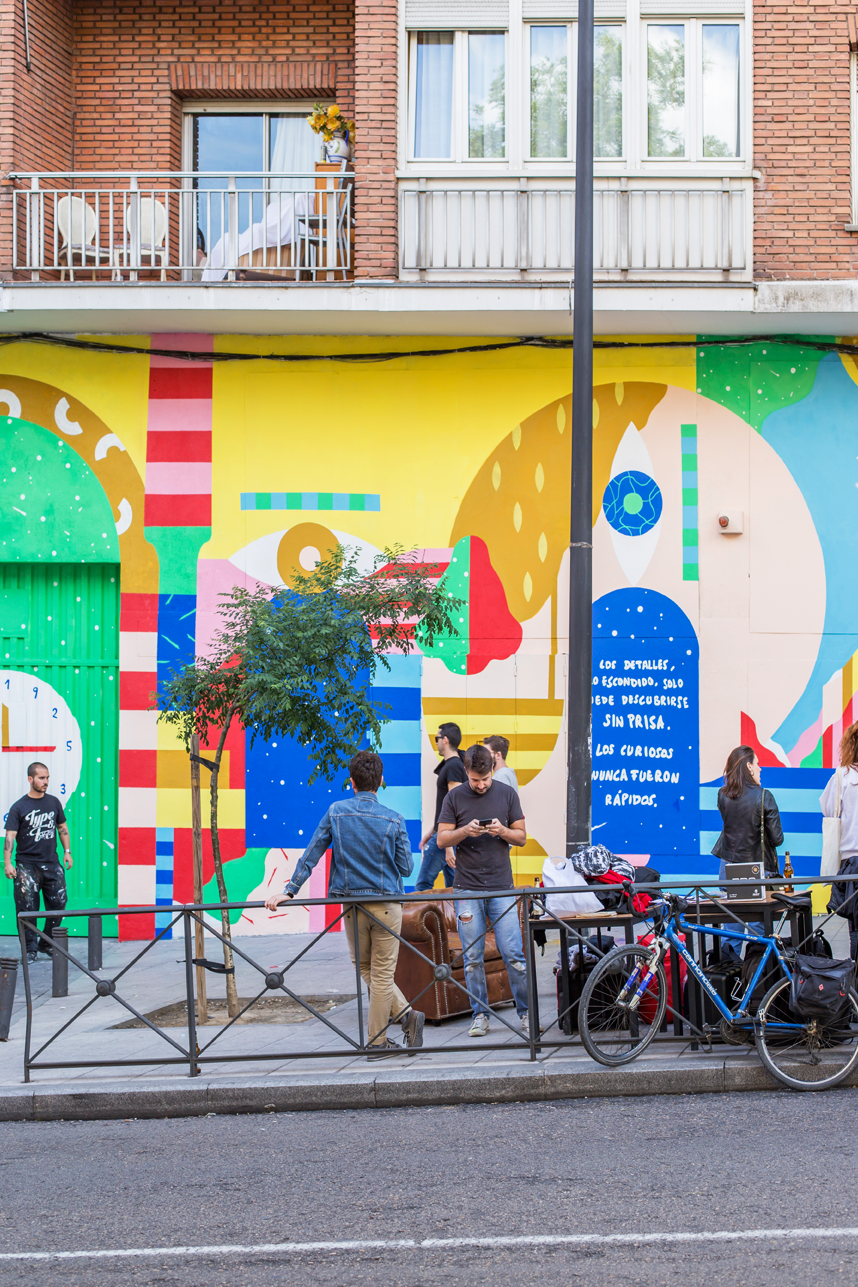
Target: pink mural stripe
{"type": "Point", "coordinates": [185, 415]}
{"type": "Point", "coordinates": [190, 478]}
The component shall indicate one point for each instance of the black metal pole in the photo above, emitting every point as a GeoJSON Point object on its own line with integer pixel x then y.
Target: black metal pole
{"type": "Point", "coordinates": [578, 705]}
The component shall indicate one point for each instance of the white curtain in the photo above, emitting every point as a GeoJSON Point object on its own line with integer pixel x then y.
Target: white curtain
{"type": "Point", "coordinates": [294, 147]}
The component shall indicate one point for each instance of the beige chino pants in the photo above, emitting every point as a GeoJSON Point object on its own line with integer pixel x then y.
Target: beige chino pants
{"type": "Point", "coordinates": [379, 952]}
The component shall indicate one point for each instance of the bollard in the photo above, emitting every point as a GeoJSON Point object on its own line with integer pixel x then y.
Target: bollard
{"type": "Point", "coordinates": [60, 978]}
{"type": "Point", "coordinates": [8, 979]}
{"type": "Point", "coordinates": [94, 942]}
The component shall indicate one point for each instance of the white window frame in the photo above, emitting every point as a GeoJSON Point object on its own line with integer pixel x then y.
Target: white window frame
{"type": "Point", "coordinates": [459, 142]}
{"type": "Point", "coordinates": [572, 83]}
{"type": "Point", "coordinates": [693, 92]}
{"type": "Point", "coordinates": [266, 108]}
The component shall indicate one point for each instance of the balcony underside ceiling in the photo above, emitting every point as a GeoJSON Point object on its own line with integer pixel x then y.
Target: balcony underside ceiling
{"type": "Point", "coordinates": [397, 308]}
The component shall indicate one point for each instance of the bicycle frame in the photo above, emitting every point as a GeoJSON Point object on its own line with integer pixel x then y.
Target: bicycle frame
{"type": "Point", "coordinates": [669, 937]}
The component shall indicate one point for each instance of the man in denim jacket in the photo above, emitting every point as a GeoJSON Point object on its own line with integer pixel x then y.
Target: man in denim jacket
{"type": "Point", "coordinates": [370, 854]}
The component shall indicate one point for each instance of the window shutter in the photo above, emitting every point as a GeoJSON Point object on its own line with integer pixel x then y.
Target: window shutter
{"type": "Point", "coordinates": [453, 15]}
{"type": "Point", "coordinates": [567, 10]}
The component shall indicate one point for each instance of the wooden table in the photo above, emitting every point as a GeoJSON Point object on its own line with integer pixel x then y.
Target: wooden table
{"type": "Point", "coordinates": [690, 1005]}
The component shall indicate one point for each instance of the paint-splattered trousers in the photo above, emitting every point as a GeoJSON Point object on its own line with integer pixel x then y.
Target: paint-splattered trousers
{"type": "Point", "coordinates": [31, 880]}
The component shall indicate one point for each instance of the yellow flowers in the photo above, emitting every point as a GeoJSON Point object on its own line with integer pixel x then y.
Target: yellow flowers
{"type": "Point", "coordinates": [329, 120]}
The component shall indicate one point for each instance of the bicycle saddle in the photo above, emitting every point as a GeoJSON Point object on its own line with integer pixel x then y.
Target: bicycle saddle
{"type": "Point", "coordinates": [792, 900]}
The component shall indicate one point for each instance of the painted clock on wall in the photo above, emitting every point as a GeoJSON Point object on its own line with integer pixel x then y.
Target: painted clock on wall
{"type": "Point", "coordinates": [36, 724]}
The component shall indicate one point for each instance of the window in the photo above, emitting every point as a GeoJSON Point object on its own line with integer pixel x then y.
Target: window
{"type": "Point", "coordinates": [667, 89]}
{"type": "Point", "coordinates": [458, 95]}
{"type": "Point", "coordinates": [552, 91]}
{"type": "Point", "coordinates": [250, 145]}
{"type": "Point", "coordinates": [692, 90]}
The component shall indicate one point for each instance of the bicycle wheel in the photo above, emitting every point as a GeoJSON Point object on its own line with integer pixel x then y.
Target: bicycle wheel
{"type": "Point", "coordinates": [611, 1032]}
{"type": "Point", "coordinates": [803, 1054]}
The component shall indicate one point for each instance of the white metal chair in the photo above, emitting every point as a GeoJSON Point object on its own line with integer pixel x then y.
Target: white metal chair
{"type": "Point", "coordinates": [314, 232]}
{"type": "Point", "coordinates": [143, 236]}
{"type": "Point", "coordinates": [77, 226]}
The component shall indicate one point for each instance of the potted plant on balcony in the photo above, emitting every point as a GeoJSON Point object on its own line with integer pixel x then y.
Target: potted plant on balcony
{"type": "Point", "coordinates": [335, 130]}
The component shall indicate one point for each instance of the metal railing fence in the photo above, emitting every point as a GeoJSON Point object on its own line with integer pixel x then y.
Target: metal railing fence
{"type": "Point", "coordinates": [527, 905]}
{"type": "Point", "coordinates": [528, 228]}
{"type": "Point", "coordinates": [187, 226]}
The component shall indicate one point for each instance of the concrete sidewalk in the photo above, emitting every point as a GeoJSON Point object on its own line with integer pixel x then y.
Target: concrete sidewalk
{"type": "Point", "coordinates": [272, 1076]}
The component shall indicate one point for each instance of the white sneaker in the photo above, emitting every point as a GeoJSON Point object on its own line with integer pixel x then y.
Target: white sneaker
{"type": "Point", "coordinates": [525, 1026]}
{"type": "Point", "coordinates": [480, 1026]}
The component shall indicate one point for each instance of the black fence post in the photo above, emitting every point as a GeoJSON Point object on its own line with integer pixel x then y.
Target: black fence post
{"type": "Point", "coordinates": [95, 945]}
{"type": "Point", "coordinates": [8, 980]}
{"type": "Point", "coordinates": [189, 992]}
{"type": "Point", "coordinates": [60, 973]}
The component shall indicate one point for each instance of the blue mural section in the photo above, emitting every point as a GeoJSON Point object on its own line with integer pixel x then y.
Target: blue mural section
{"type": "Point", "coordinates": [163, 877]}
{"type": "Point", "coordinates": [817, 439]}
{"type": "Point", "coordinates": [177, 620]}
{"type": "Point", "coordinates": [283, 810]}
{"type": "Point", "coordinates": [796, 793]}
{"type": "Point", "coordinates": [645, 730]}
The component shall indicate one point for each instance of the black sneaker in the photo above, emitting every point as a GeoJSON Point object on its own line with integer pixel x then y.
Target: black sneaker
{"type": "Point", "coordinates": [45, 951]}
{"type": "Point", "coordinates": [412, 1026]}
{"type": "Point", "coordinates": [32, 957]}
{"type": "Point", "coordinates": [384, 1051]}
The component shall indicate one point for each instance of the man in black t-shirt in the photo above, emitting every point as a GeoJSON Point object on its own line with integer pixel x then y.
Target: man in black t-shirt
{"type": "Point", "coordinates": [450, 772]}
{"type": "Point", "coordinates": [482, 818]}
{"type": "Point", "coordinates": [35, 821]}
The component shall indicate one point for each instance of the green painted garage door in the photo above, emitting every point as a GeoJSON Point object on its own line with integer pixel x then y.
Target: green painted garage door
{"type": "Point", "coordinates": [59, 688]}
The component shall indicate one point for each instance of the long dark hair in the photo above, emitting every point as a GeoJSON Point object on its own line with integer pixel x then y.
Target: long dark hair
{"type": "Point", "coordinates": [737, 771]}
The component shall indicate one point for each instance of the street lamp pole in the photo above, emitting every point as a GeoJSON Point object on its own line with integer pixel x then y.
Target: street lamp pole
{"type": "Point", "coordinates": [579, 698]}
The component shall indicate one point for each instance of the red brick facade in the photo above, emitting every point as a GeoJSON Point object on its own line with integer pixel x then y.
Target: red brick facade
{"type": "Point", "coordinates": [376, 62]}
{"type": "Point", "coordinates": [802, 141]}
{"type": "Point", "coordinates": [128, 115]}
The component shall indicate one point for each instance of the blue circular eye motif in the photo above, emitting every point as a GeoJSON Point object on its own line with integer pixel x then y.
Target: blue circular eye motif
{"type": "Point", "coordinates": [632, 503]}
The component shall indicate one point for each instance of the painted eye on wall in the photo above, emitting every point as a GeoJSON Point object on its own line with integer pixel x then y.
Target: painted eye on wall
{"type": "Point", "coordinates": [277, 558]}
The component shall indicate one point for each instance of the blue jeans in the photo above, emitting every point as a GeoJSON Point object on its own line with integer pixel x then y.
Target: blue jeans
{"type": "Point", "coordinates": [434, 860]}
{"type": "Point", "coordinates": [471, 918]}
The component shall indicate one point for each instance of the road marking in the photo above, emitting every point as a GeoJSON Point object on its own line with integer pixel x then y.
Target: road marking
{"type": "Point", "coordinates": [440, 1244]}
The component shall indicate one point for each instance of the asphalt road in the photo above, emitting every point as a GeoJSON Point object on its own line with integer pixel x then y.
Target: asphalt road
{"type": "Point", "coordinates": [674, 1164]}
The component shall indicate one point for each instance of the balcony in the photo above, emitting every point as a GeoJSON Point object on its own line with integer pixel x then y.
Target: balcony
{"type": "Point", "coordinates": [692, 229]}
{"type": "Point", "coordinates": [178, 227]}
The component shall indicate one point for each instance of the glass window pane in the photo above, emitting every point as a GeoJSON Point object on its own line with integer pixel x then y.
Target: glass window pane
{"type": "Point", "coordinates": [292, 147]}
{"type": "Point", "coordinates": [486, 94]}
{"type": "Point", "coordinates": [228, 144]}
{"type": "Point", "coordinates": [720, 89]}
{"type": "Point", "coordinates": [433, 121]}
{"type": "Point", "coordinates": [608, 92]}
{"type": "Point", "coordinates": [548, 91]}
{"type": "Point", "coordinates": [665, 74]}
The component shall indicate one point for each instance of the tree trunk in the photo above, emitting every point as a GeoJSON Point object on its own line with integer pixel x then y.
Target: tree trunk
{"type": "Point", "coordinates": [232, 1005]}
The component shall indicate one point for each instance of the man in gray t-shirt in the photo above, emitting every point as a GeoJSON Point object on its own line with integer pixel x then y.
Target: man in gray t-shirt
{"type": "Point", "coordinates": [481, 819]}
{"type": "Point", "coordinates": [499, 747]}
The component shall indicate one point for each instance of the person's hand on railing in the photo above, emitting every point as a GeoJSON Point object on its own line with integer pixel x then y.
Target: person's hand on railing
{"type": "Point", "coordinates": [274, 901]}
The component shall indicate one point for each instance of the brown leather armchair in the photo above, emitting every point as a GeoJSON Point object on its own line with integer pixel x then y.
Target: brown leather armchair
{"type": "Point", "coordinates": [431, 927]}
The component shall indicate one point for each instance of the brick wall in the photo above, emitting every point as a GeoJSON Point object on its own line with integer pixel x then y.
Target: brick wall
{"type": "Point", "coordinates": [376, 56]}
{"type": "Point", "coordinates": [128, 115]}
{"type": "Point", "coordinates": [801, 141]}
{"type": "Point", "coordinates": [36, 107]}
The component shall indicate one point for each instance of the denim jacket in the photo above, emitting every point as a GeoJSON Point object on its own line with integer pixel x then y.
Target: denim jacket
{"type": "Point", "coordinates": [369, 846]}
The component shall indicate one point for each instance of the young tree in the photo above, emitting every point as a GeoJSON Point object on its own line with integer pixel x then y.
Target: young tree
{"type": "Point", "coordinates": [300, 662]}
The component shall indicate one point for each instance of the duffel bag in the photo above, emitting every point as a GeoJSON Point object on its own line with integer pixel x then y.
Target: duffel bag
{"type": "Point", "coordinates": [820, 988]}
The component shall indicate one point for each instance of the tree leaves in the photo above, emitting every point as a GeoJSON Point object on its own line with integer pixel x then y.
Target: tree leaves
{"type": "Point", "coordinates": [300, 662]}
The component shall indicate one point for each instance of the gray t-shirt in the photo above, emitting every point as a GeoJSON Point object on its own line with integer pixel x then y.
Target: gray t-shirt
{"type": "Point", "coordinates": [507, 775]}
{"type": "Point", "coordinates": [482, 862]}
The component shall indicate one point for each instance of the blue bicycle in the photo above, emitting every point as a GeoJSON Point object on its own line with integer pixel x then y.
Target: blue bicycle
{"type": "Point", "coordinates": [624, 1001]}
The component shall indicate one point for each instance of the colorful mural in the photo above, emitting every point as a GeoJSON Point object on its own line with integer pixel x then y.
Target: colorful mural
{"type": "Point", "coordinates": [179, 479]}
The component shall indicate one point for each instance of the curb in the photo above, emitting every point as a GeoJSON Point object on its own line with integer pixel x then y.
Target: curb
{"type": "Point", "coordinates": [197, 1098]}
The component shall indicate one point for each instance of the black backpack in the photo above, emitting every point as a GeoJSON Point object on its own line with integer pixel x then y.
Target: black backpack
{"type": "Point", "coordinates": [820, 988]}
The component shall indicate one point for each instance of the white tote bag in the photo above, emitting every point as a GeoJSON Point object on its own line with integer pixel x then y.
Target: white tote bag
{"type": "Point", "coordinates": [556, 876]}
{"type": "Point", "coordinates": [830, 865]}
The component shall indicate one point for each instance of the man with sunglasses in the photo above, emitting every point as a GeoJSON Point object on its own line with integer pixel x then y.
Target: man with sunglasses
{"type": "Point", "coordinates": [450, 772]}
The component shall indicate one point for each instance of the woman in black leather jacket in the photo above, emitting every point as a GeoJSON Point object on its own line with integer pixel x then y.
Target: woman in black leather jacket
{"type": "Point", "coordinates": [749, 816]}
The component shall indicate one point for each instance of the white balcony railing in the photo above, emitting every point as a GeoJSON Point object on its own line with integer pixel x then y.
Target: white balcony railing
{"type": "Point", "coordinates": [688, 229]}
{"type": "Point", "coordinates": [181, 226]}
